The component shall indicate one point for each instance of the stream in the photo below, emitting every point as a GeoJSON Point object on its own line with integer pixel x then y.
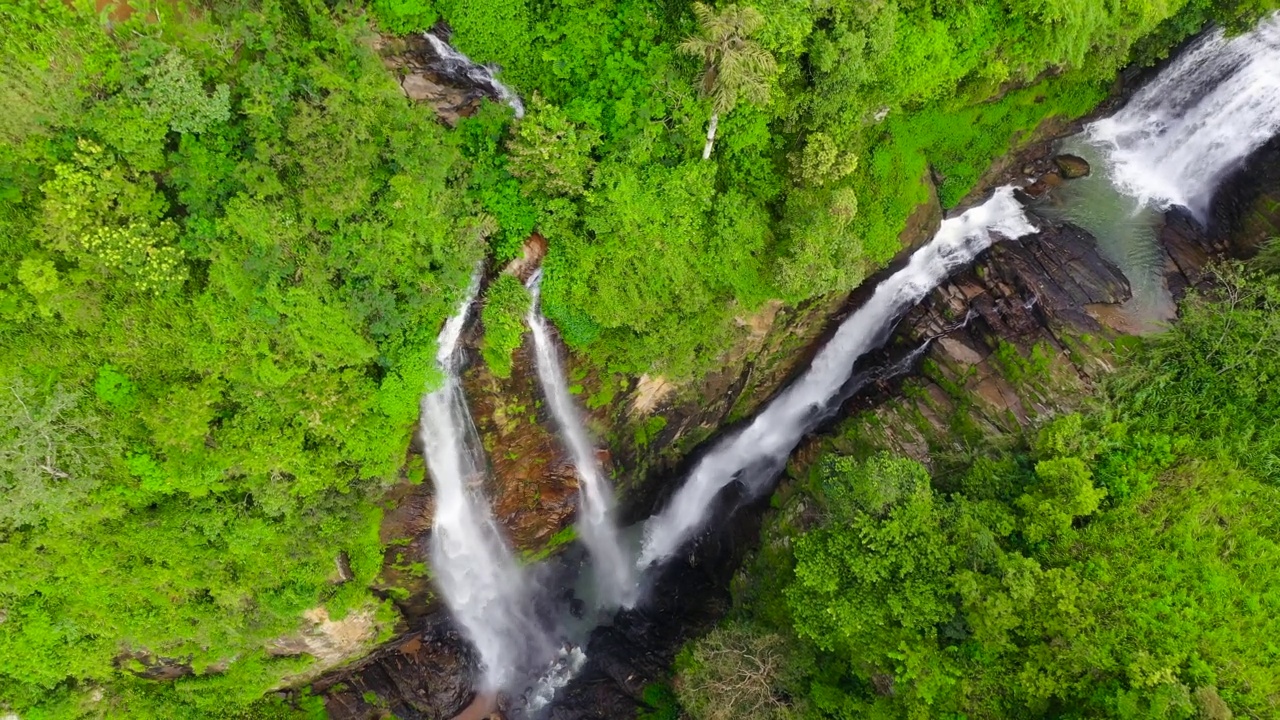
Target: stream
{"type": "Point", "coordinates": [1171, 145]}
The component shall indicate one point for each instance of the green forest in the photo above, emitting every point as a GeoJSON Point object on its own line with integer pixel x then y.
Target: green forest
{"type": "Point", "coordinates": [1119, 562]}
{"type": "Point", "coordinates": [228, 240]}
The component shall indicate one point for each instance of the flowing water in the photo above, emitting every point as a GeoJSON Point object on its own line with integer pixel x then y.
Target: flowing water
{"type": "Point", "coordinates": [458, 67]}
{"type": "Point", "coordinates": [1172, 144]}
{"type": "Point", "coordinates": [1182, 133]}
{"type": "Point", "coordinates": [596, 524]}
{"type": "Point", "coordinates": [485, 588]}
{"type": "Point", "coordinates": [1126, 233]}
{"type": "Point", "coordinates": [756, 454]}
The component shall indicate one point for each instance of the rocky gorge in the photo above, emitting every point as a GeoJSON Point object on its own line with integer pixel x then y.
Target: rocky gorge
{"type": "Point", "coordinates": [1010, 340]}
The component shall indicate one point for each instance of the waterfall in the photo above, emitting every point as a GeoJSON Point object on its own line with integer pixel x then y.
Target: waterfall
{"type": "Point", "coordinates": [596, 524]}
{"type": "Point", "coordinates": [460, 67]}
{"type": "Point", "coordinates": [1182, 133]}
{"type": "Point", "coordinates": [1172, 144]}
{"type": "Point", "coordinates": [481, 582]}
{"type": "Point", "coordinates": [757, 453]}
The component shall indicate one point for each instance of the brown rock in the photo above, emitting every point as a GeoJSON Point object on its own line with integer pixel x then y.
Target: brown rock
{"type": "Point", "coordinates": [531, 254]}
{"type": "Point", "coordinates": [1072, 166]}
{"type": "Point", "coordinates": [450, 103]}
{"type": "Point", "coordinates": [426, 674]}
{"type": "Point", "coordinates": [962, 354]}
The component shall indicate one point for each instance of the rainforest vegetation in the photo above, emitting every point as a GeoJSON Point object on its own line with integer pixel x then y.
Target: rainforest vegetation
{"type": "Point", "coordinates": [1117, 563]}
{"type": "Point", "coordinates": [227, 242]}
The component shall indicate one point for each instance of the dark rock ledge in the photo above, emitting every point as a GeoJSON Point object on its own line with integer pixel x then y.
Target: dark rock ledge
{"type": "Point", "coordinates": [1050, 293]}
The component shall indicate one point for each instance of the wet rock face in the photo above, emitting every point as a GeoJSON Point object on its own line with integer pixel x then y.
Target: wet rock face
{"type": "Point", "coordinates": [147, 665]}
{"type": "Point", "coordinates": [1009, 348]}
{"type": "Point", "coordinates": [689, 596]}
{"type": "Point", "coordinates": [1037, 295]}
{"type": "Point", "coordinates": [1245, 213]}
{"type": "Point", "coordinates": [413, 63]}
{"type": "Point", "coordinates": [532, 486]}
{"type": "Point", "coordinates": [426, 674]}
{"type": "Point", "coordinates": [1029, 289]}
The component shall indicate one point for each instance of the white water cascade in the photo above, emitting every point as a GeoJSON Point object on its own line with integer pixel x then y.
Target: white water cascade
{"type": "Point", "coordinates": [458, 65]}
{"type": "Point", "coordinates": [754, 455]}
{"type": "Point", "coordinates": [596, 524]}
{"type": "Point", "coordinates": [484, 586]}
{"type": "Point", "coordinates": [1182, 133]}
{"type": "Point", "coordinates": [1173, 143]}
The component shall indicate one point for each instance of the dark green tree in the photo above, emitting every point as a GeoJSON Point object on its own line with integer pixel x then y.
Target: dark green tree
{"type": "Point", "coordinates": [735, 68]}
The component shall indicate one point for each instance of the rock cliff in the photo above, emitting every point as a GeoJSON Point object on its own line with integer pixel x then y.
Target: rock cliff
{"type": "Point", "coordinates": [1021, 334]}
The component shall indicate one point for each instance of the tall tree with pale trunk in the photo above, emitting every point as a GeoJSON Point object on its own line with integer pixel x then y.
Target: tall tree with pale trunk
{"type": "Point", "coordinates": [734, 67]}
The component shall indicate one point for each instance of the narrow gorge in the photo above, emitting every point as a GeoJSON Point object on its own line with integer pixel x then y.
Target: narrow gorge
{"type": "Point", "coordinates": [1034, 263]}
{"type": "Point", "coordinates": [648, 359]}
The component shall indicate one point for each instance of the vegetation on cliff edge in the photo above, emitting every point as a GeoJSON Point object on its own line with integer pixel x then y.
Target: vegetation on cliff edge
{"type": "Point", "coordinates": [1122, 564]}
{"type": "Point", "coordinates": [227, 242]}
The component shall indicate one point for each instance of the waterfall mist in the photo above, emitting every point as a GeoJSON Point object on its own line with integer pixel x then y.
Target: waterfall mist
{"type": "Point", "coordinates": [596, 524]}
{"type": "Point", "coordinates": [1181, 134]}
{"type": "Point", "coordinates": [485, 588]}
{"type": "Point", "coordinates": [757, 453]}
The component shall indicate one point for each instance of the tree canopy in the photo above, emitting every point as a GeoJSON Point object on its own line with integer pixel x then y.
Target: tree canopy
{"type": "Point", "coordinates": [1120, 564]}
{"type": "Point", "coordinates": [228, 241]}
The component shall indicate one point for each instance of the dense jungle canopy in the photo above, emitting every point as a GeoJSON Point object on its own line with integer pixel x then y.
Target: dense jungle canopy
{"type": "Point", "coordinates": [227, 243]}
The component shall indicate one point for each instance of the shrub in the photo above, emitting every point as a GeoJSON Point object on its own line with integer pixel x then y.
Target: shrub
{"type": "Point", "coordinates": [506, 303]}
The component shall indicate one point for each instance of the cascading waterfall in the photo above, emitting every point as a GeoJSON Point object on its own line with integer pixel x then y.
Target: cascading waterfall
{"type": "Point", "coordinates": [756, 454]}
{"type": "Point", "coordinates": [1172, 144]}
{"type": "Point", "coordinates": [1182, 133]}
{"type": "Point", "coordinates": [482, 583]}
{"type": "Point", "coordinates": [456, 65]}
{"type": "Point", "coordinates": [596, 525]}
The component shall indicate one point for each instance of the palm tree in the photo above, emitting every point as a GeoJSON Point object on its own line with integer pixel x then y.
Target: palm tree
{"type": "Point", "coordinates": [734, 67]}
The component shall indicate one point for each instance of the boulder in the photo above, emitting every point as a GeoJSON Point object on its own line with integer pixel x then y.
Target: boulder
{"type": "Point", "coordinates": [1072, 166]}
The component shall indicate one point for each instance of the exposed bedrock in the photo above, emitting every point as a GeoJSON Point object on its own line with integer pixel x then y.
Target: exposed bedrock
{"type": "Point", "coordinates": [1034, 306]}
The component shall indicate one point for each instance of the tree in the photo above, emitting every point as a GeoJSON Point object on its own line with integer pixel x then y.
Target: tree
{"type": "Point", "coordinates": [504, 326]}
{"type": "Point", "coordinates": [734, 672]}
{"type": "Point", "coordinates": [550, 153]}
{"type": "Point", "coordinates": [872, 584]}
{"type": "Point", "coordinates": [735, 68]}
{"type": "Point", "coordinates": [50, 453]}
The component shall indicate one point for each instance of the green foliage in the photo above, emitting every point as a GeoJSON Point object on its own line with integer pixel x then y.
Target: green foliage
{"type": "Point", "coordinates": [506, 303]}
{"type": "Point", "coordinates": [1212, 377]}
{"type": "Point", "coordinates": [1269, 256]}
{"type": "Point", "coordinates": [228, 246]}
{"type": "Point", "coordinates": [173, 92]}
{"type": "Point", "coordinates": [550, 153]}
{"type": "Point", "coordinates": [493, 185]}
{"type": "Point", "coordinates": [810, 192]}
{"type": "Point", "coordinates": [50, 454]}
{"type": "Point", "coordinates": [494, 31]}
{"type": "Point", "coordinates": [401, 17]}
{"type": "Point", "coordinates": [1118, 566]}
{"type": "Point", "coordinates": [876, 578]}
{"type": "Point", "coordinates": [660, 703]}
{"type": "Point", "coordinates": [227, 243]}
{"type": "Point", "coordinates": [648, 432]}
{"type": "Point", "coordinates": [734, 67]}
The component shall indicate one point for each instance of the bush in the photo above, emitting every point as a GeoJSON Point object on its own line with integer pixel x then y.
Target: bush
{"type": "Point", "coordinates": [506, 303]}
{"type": "Point", "coordinates": [733, 673]}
